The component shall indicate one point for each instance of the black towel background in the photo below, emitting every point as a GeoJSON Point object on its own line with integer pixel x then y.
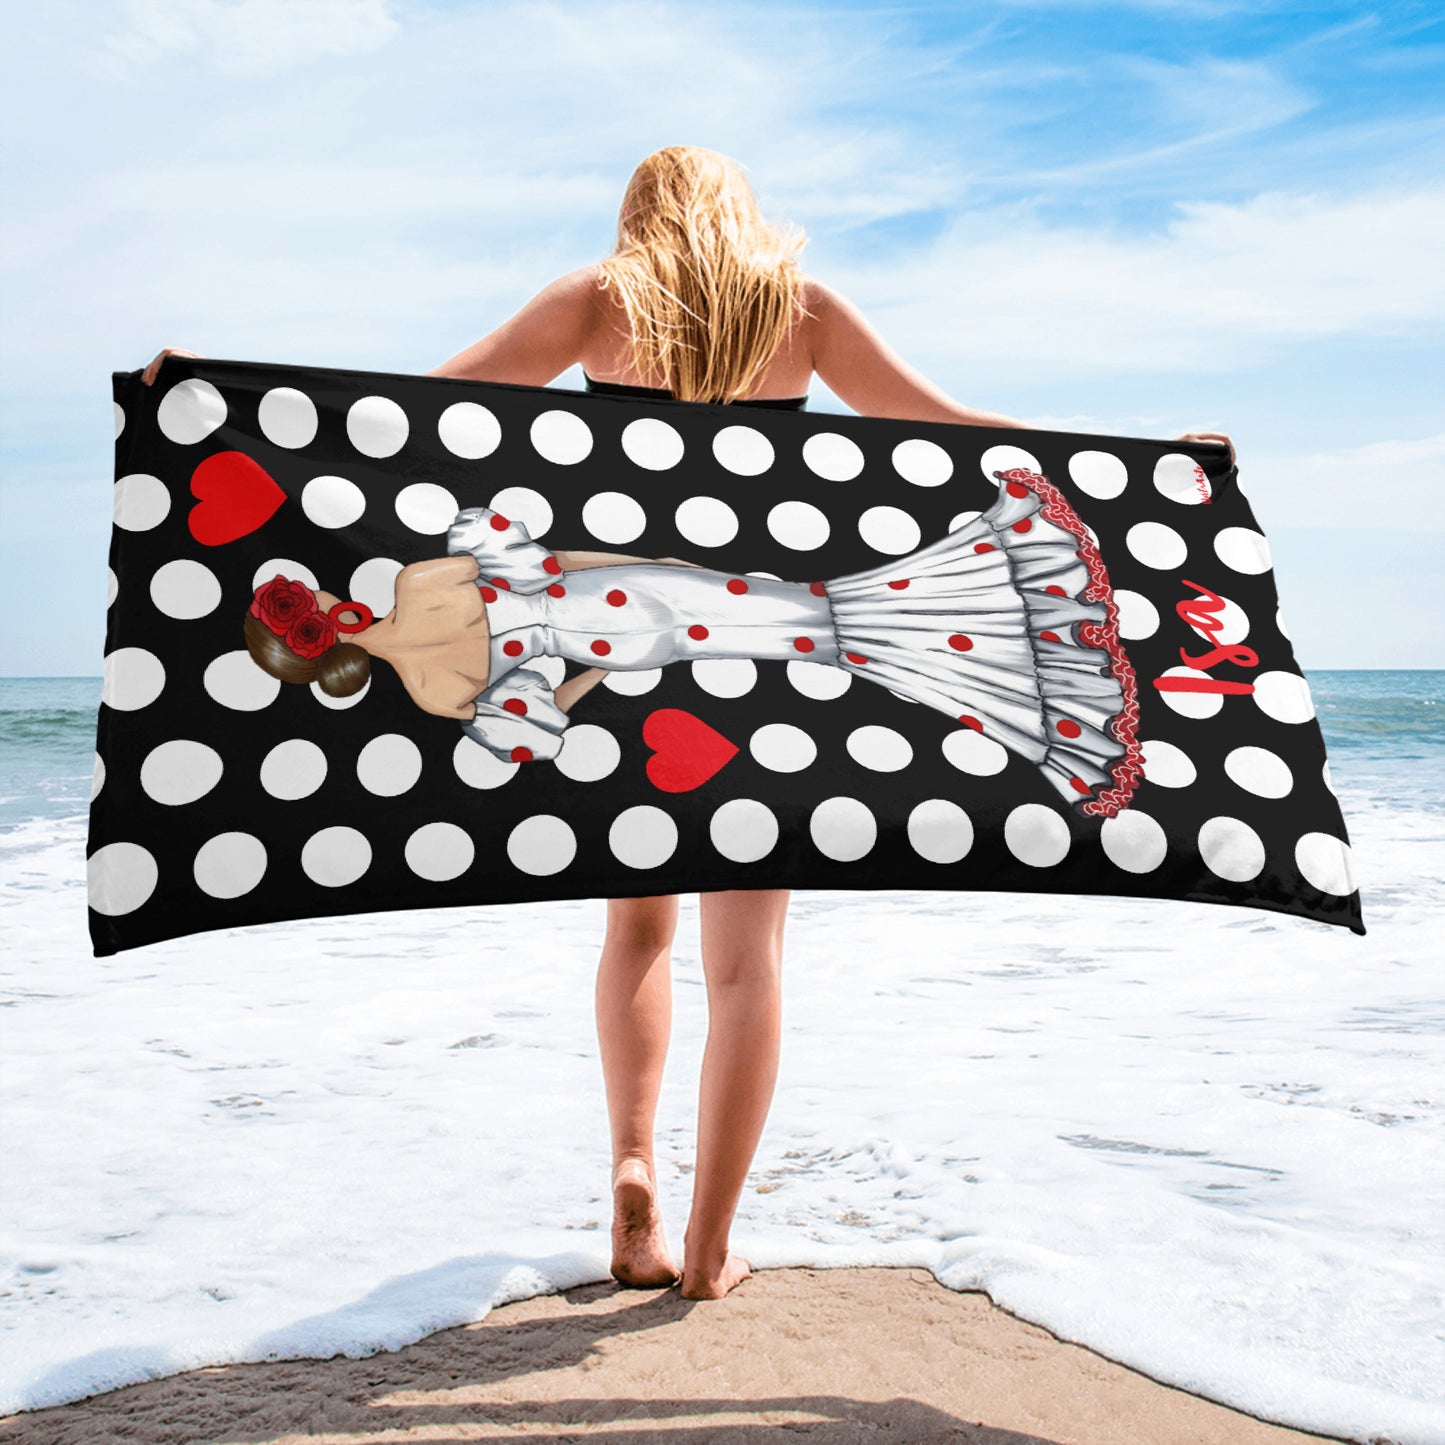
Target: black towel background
{"type": "Point", "coordinates": [148, 887]}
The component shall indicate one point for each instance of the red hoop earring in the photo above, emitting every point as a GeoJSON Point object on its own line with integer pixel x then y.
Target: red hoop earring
{"type": "Point", "coordinates": [367, 616]}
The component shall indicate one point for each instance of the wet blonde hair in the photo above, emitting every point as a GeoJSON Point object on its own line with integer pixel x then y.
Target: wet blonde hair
{"type": "Point", "coordinates": [710, 288]}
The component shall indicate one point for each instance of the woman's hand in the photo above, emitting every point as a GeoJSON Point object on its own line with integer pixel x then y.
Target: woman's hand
{"type": "Point", "coordinates": [153, 370]}
{"type": "Point", "coordinates": [1208, 436]}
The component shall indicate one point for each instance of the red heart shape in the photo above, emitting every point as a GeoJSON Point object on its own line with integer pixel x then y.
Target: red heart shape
{"type": "Point", "coordinates": [686, 751]}
{"type": "Point", "coordinates": [237, 496]}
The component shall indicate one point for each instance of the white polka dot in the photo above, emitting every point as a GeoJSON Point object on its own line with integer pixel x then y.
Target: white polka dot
{"type": "Point", "coordinates": [97, 777]}
{"type": "Point", "coordinates": [632, 682]}
{"type": "Point", "coordinates": [426, 507]}
{"type": "Point", "coordinates": [1326, 863]}
{"type": "Point", "coordinates": [140, 502]}
{"type": "Point", "coordinates": [1133, 841]}
{"type": "Point", "coordinates": [880, 749]}
{"type": "Point", "coordinates": [469, 430]}
{"type": "Point", "coordinates": [1138, 617]}
{"type": "Point", "coordinates": [527, 506]}
{"type": "Point", "coordinates": [332, 501]}
{"type": "Point", "coordinates": [588, 753]}
{"type": "Point", "coordinates": [889, 529]}
{"type": "Point", "coordinates": [799, 525]}
{"type": "Point", "coordinates": [783, 748]}
{"type": "Point", "coordinates": [293, 769]}
{"type": "Point", "coordinates": [725, 676]}
{"type": "Point", "coordinates": [1166, 765]}
{"type": "Point", "coordinates": [940, 831]}
{"type": "Point", "coordinates": [613, 517]}
{"type": "Point", "coordinates": [1259, 771]}
{"type": "Point", "coordinates": [180, 771]}
{"type": "Point", "coordinates": [230, 864]}
{"type": "Point", "coordinates": [480, 767]}
{"type": "Point", "coordinates": [1231, 849]}
{"type": "Point", "coordinates": [1156, 545]}
{"type": "Point", "coordinates": [185, 589]}
{"type": "Point", "coordinates": [133, 678]}
{"type": "Point", "coordinates": [338, 704]}
{"type": "Point", "coordinates": [771, 576]}
{"type": "Point", "coordinates": [963, 519]}
{"type": "Point", "coordinates": [374, 583]}
{"type": "Point", "coordinates": [1005, 458]}
{"type": "Point", "coordinates": [743, 450]}
{"type": "Point", "coordinates": [843, 829]}
{"type": "Point", "coordinates": [652, 444]}
{"type": "Point", "coordinates": [706, 521]}
{"type": "Point", "coordinates": [1181, 479]}
{"type": "Point", "coordinates": [1325, 774]}
{"type": "Point", "coordinates": [284, 567]}
{"type": "Point", "coordinates": [1036, 835]}
{"type": "Point", "coordinates": [377, 426]}
{"type": "Point", "coordinates": [1187, 703]}
{"type": "Point", "coordinates": [642, 837]}
{"type": "Point", "coordinates": [288, 417]}
{"type": "Point", "coordinates": [119, 419]}
{"type": "Point", "coordinates": [1244, 549]}
{"type": "Point", "coordinates": [818, 680]}
{"type": "Point", "coordinates": [1279, 623]}
{"type": "Point", "coordinates": [119, 878]}
{"type": "Point", "coordinates": [112, 586]}
{"type": "Point", "coordinates": [833, 457]}
{"type": "Point", "coordinates": [439, 852]}
{"type": "Point", "coordinates": [923, 463]}
{"type": "Point", "coordinates": [190, 411]}
{"type": "Point", "coordinates": [335, 856]}
{"type": "Point", "coordinates": [389, 765]}
{"type": "Point", "coordinates": [743, 830]}
{"type": "Point", "coordinates": [1098, 474]}
{"type": "Point", "coordinates": [1231, 619]}
{"type": "Point", "coordinates": [234, 680]}
{"type": "Point", "coordinates": [1284, 696]}
{"type": "Point", "coordinates": [541, 845]}
{"type": "Point", "coordinates": [970, 752]}
{"type": "Point", "coordinates": [561, 438]}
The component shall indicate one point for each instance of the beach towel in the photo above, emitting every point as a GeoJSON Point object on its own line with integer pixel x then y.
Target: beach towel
{"type": "Point", "coordinates": [379, 641]}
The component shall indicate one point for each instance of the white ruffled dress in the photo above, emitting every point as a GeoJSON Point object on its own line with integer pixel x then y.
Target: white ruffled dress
{"type": "Point", "coordinates": [1007, 625]}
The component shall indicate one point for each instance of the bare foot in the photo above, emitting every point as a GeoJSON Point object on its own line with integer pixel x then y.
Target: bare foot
{"type": "Point", "coordinates": [639, 1251]}
{"type": "Point", "coordinates": [715, 1283]}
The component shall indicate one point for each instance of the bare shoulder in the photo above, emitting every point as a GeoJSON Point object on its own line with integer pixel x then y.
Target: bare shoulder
{"type": "Point", "coordinates": [430, 571]}
{"type": "Point", "coordinates": [827, 303]}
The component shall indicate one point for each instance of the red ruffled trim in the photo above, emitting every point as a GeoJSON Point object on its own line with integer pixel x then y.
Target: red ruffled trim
{"type": "Point", "coordinates": [1129, 769]}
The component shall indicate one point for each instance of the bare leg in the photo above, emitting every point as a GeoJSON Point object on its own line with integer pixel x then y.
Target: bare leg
{"type": "Point", "coordinates": [742, 946]}
{"type": "Point", "coordinates": [634, 1023]}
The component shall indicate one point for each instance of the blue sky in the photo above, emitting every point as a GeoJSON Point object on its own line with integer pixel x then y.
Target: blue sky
{"type": "Point", "coordinates": [1125, 218]}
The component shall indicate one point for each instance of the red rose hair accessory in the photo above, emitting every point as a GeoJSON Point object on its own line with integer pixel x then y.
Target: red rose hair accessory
{"type": "Point", "coordinates": [289, 609]}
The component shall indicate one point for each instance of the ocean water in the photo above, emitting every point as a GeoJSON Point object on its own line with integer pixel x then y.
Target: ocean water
{"type": "Point", "coordinates": [1206, 1142]}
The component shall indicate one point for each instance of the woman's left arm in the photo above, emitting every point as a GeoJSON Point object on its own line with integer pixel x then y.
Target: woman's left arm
{"type": "Point", "coordinates": [566, 693]}
{"type": "Point", "coordinates": [541, 341]}
{"type": "Point", "coordinates": [580, 561]}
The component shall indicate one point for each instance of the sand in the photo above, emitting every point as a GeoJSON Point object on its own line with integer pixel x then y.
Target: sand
{"type": "Point", "coordinates": [830, 1354]}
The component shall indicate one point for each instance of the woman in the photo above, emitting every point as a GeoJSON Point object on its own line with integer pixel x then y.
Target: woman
{"type": "Point", "coordinates": [701, 300]}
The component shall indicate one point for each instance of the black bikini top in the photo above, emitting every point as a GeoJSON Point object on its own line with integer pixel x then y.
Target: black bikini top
{"type": "Point", "coordinates": [617, 388]}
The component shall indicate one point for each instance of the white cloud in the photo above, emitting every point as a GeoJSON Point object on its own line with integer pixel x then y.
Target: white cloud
{"type": "Point", "coordinates": [235, 37]}
{"type": "Point", "coordinates": [1222, 285]}
{"type": "Point", "coordinates": [1397, 484]}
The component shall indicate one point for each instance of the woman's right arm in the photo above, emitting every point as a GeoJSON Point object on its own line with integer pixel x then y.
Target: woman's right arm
{"type": "Point", "coordinates": [153, 370]}
{"type": "Point", "coordinates": [864, 372]}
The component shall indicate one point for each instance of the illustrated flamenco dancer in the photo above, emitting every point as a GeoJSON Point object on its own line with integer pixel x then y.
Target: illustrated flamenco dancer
{"type": "Point", "coordinates": [1007, 625]}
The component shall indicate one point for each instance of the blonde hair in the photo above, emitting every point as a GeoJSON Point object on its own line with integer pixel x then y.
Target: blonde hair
{"type": "Point", "coordinates": [710, 288]}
